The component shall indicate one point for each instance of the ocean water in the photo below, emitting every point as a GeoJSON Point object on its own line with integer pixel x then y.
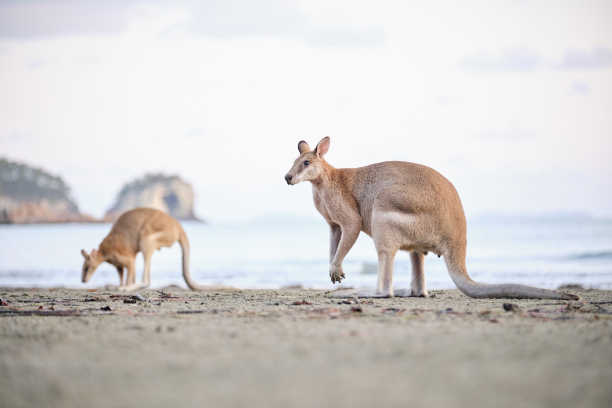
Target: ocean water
{"type": "Point", "coordinates": [272, 253]}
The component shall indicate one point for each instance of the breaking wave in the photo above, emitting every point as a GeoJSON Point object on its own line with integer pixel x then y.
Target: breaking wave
{"type": "Point", "coordinates": [592, 255]}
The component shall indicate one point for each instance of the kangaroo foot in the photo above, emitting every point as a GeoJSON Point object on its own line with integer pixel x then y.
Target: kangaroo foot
{"type": "Point", "coordinates": [412, 293]}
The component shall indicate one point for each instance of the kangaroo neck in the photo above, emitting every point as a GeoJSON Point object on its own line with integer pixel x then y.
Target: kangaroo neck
{"type": "Point", "coordinates": [332, 181]}
{"type": "Point", "coordinates": [328, 179]}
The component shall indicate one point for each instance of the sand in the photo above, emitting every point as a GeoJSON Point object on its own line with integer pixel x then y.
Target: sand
{"type": "Point", "coordinates": [301, 348]}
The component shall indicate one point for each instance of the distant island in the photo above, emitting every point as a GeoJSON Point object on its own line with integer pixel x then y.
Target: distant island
{"type": "Point", "coordinates": [32, 195]}
{"type": "Point", "coordinates": [168, 193]}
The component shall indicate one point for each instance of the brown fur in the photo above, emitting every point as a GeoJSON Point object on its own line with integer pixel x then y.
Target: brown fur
{"type": "Point", "coordinates": [140, 230]}
{"type": "Point", "coordinates": [402, 206]}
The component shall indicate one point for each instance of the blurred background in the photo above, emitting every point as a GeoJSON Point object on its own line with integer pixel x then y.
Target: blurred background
{"type": "Point", "coordinates": [199, 105]}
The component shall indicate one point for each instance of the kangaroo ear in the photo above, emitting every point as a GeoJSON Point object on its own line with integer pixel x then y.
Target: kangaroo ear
{"type": "Point", "coordinates": [84, 254]}
{"type": "Point", "coordinates": [322, 146]}
{"type": "Point", "coordinates": [303, 147]}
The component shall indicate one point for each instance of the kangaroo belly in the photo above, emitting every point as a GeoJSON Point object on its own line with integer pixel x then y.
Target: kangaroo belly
{"type": "Point", "coordinates": [406, 231]}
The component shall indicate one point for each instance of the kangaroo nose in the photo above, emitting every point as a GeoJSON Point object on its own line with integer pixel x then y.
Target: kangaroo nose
{"type": "Point", "coordinates": [288, 178]}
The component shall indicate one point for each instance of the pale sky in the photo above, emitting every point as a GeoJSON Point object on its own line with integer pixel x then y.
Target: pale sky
{"type": "Point", "coordinates": [510, 100]}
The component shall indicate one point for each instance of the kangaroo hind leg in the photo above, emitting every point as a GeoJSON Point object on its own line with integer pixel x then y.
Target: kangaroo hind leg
{"type": "Point", "coordinates": [418, 276]}
{"type": "Point", "coordinates": [148, 245]}
{"type": "Point", "coordinates": [384, 287]}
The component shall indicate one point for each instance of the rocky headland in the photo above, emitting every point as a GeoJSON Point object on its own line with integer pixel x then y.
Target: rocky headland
{"type": "Point", "coordinates": [32, 195]}
{"type": "Point", "coordinates": [168, 193]}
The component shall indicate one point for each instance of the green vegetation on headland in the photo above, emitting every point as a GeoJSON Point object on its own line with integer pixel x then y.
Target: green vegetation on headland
{"type": "Point", "coordinates": [29, 195]}
{"type": "Point", "coordinates": [23, 183]}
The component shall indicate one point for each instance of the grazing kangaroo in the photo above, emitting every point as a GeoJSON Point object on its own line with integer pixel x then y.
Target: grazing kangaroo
{"type": "Point", "coordinates": [400, 205]}
{"type": "Point", "coordinates": [139, 230]}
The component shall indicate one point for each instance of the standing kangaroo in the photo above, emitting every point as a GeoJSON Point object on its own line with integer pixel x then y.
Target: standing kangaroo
{"type": "Point", "coordinates": [139, 230]}
{"type": "Point", "coordinates": [401, 206]}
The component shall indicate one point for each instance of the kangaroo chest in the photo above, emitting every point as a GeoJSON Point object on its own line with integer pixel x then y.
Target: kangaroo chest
{"type": "Point", "coordinates": [334, 206]}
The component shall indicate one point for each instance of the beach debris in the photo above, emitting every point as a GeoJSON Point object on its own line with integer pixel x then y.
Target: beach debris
{"type": "Point", "coordinates": [135, 298]}
{"type": "Point", "coordinates": [51, 312]}
{"type": "Point", "coordinates": [169, 329]}
{"type": "Point", "coordinates": [356, 309]}
{"type": "Point", "coordinates": [511, 307]}
{"type": "Point", "coordinates": [574, 286]}
{"type": "Point", "coordinates": [350, 301]}
{"type": "Point", "coordinates": [591, 307]}
{"type": "Point", "coordinates": [450, 311]}
{"type": "Point", "coordinates": [326, 310]}
{"type": "Point", "coordinates": [129, 298]}
{"type": "Point", "coordinates": [3, 302]}
{"type": "Point", "coordinates": [301, 302]}
{"type": "Point", "coordinates": [330, 312]}
{"type": "Point", "coordinates": [93, 299]}
{"type": "Point", "coordinates": [493, 321]}
{"type": "Point", "coordinates": [189, 311]}
{"type": "Point", "coordinates": [538, 316]}
{"type": "Point", "coordinates": [485, 313]}
{"type": "Point", "coordinates": [40, 307]}
{"type": "Point", "coordinates": [296, 286]}
{"type": "Point", "coordinates": [393, 310]}
{"type": "Point", "coordinates": [106, 308]}
{"type": "Point", "coordinates": [166, 295]}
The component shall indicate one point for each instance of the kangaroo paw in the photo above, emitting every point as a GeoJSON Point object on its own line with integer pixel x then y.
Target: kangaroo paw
{"type": "Point", "coordinates": [336, 274]}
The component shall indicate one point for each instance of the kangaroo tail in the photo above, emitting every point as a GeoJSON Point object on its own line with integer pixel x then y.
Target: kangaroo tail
{"type": "Point", "coordinates": [184, 242]}
{"type": "Point", "coordinates": [458, 273]}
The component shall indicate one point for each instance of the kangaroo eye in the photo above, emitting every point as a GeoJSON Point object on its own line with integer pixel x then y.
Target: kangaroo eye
{"type": "Point", "coordinates": [306, 163]}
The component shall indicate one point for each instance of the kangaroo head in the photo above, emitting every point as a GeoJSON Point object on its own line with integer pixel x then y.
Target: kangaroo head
{"type": "Point", "coordinates": [90, 264]}
{"type": "Point", "coordinates": [310, 163]}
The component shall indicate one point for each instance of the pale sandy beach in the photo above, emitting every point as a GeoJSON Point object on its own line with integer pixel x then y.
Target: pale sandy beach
{"type": "Point", "coordinates": [295, 347]}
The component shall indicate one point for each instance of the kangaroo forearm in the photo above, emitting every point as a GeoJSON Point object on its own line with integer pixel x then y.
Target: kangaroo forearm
{"type": "Point", "coordinates": [335, 233]}
{"type": "Point", "coordinates": [348, 237]}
